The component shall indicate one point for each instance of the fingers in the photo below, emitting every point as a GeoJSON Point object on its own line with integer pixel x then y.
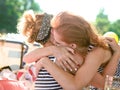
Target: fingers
{"type": "Point", "coordinates": [110, 40]}
{"type": "Point", "coordinates": [68, 65]}
{"type": "Point", "coordinates": [72, 59]}
{"type": "Point", "coordinates": [71, 63]}
{"type": "Point", "coordinates": [71, 66]}
{"type": "Point", "coordinates": [66, 59]}
{"type": "Point", "coordinates": [70, 50]}
{"type": "Point", "coordinates": [61, 64]}
{"type": "Point", "coordinates": [113, 44]}
{"type": "Point", "coordinates": [65, 64]}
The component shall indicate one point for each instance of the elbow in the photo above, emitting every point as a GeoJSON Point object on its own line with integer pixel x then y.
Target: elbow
{"type": "Point", "coordinates": [26, 59]}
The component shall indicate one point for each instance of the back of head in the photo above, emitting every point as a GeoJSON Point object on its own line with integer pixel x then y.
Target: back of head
{"type": "Point", "coordinates": [31, 25]}
{"type": "Point", "coordinates": [27, 25]}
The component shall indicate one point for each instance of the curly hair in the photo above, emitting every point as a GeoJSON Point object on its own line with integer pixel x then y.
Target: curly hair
{"type": "Point", "coordinates": [30, 25]}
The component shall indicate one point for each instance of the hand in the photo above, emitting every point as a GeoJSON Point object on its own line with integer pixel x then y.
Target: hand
{"type": "Point", "coordinates": [113, 44]}
{"type": "Point", "coordinates": [66, 58]}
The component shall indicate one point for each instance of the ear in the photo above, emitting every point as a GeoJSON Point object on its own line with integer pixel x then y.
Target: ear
{"type": "Point", "coordinates": [73, 45]}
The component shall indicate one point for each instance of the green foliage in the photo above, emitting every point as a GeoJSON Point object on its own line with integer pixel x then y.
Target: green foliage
{"type": "Point", "coordinates": [102, 22]}
{"type": "Point", "coordinates": [11, 10]}
{"type": "Point", "coordinates": [115, 27]}
{"type": "Point", "coordinates": [104, 25]}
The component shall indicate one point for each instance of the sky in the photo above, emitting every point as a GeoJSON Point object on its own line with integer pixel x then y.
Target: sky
{"type": "Point", "coordinates": [85, 8]}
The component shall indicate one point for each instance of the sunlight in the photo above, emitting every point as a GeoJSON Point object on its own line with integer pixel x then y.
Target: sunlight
{"type": "Point", "coordinates": [86, 8]}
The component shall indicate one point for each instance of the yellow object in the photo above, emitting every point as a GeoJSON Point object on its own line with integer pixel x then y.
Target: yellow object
{"type": "Point", "coordinates": [112, 34]}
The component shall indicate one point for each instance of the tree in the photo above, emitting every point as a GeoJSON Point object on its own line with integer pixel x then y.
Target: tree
{"type": "Point", "coordinates": [115, 27]}
{"type": "Point", "coordinates": [104, 25]}
{"type": "Point", "coordinates": [11, 10]}
{"type": "Point", "coordinates": [102, 22]}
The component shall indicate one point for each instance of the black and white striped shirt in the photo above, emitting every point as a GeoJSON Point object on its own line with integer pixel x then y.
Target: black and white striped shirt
{"type": "Point", "coordinates": [45, 81]}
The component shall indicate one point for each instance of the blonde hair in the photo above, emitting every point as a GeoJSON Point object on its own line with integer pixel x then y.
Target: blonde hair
{"type": "Point", "coordinates": [29, 25]}
{"type": "Point", "coordinates": [75, 29]}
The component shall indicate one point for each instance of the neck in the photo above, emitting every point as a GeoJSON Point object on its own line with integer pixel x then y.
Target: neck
{"type": "Point", "coordinates": [48, 43]}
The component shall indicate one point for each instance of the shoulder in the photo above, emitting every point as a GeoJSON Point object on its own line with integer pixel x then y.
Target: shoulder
{"type": "Point", "coordinates": [97, 50]}
{"type": "Point", "coordinates": [96, 54]}
{"type": "Point", "coordinates": [94, 58]}
{"type": "Point", "coordinates": [100, 54]}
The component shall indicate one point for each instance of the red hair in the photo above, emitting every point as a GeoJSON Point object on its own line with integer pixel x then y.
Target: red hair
{"type": "Point", "coordinates": [75, 29]}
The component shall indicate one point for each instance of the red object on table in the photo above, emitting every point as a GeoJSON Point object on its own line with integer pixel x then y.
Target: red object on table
{"type": "Point", "coordinates": [32, 74]}
{"type": "Point", "coordinates": [11, 85]}
{"type": "Point", "coordinates": [19, 74]}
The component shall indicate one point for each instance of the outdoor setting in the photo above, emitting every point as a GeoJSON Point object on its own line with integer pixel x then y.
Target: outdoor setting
{"type": "Point", "coordinates": [59, 45]}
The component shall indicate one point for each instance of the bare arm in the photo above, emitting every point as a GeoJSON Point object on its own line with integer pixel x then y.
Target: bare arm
{"type": "Point", "coordinates": [38, 67]}
{"type": "Point", "coordinates": [61, 53]}
{"type": "Point", "coordinates": [36, 54]}
{"type": "Point", "coordinates": [82, 77]}
{"type": "Point", "coordinates": [110, 69]}
{"type": "Point", "coordinates": [56, 51]}
{"type": "Point", "coordinates": [99, 79]}
{"type": "Point", "coordinates": [112, 65]}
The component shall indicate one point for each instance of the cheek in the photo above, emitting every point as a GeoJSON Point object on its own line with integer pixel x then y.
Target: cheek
{"type": "Point", "coordinates": [51, 38]}
{"type": "Point", "coordinates": [64, 44]}
{"type": "Point", "coordinates": [56, 39]}
{"type": "Point", "coordinates": [51, 31]}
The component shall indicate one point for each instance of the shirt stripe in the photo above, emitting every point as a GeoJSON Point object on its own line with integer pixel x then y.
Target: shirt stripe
{"type": "Point", "coordinates": [45, 81]}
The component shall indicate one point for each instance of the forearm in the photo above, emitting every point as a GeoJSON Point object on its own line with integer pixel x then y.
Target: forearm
{"type": "Point", "coordinates": [66, 80]}
{"type": "Point", "coordinates": [81, 78]}
{"type": "Point", "coordinates": [111, 67]}
{"type": "Point", "coordinates": [99, 79]}
{"type": "Point", "coordinates": [38, 67]}
{"type": "Point", "coordinates": [37, 54]}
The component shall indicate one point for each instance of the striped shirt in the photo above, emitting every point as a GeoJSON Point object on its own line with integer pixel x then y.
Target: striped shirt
{"type": "Point", "coordinates": [45, 81]}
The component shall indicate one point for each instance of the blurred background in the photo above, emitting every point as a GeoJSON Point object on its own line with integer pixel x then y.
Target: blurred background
{"type": "Point", "coordinates": [104, 14]}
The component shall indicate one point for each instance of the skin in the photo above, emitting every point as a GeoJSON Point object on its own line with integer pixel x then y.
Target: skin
{"type": "Point", "coordinates": [88, 70]}
{"type": "Point", "coordinates": [92, 62]}
{"type": "Point", "coordinates": [81, 73]}
{"type": "Point", "coordinates": [61, 53]}
{"type": "Point", "coordinates": [111, 67]}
